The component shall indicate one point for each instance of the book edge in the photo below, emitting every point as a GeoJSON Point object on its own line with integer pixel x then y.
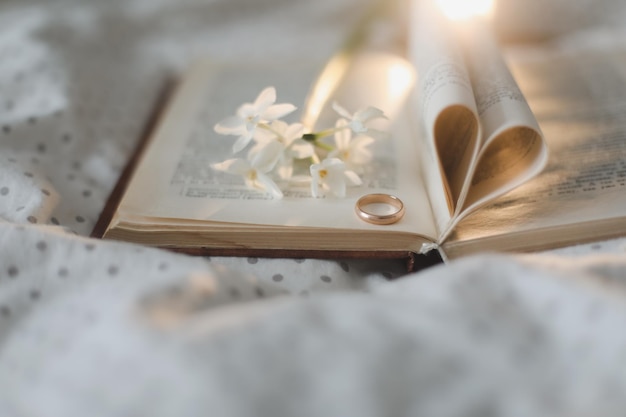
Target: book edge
{"type": "Point", "coordinates": [115, 197]}
{"type": "Point", "coordinates": [539, 239]}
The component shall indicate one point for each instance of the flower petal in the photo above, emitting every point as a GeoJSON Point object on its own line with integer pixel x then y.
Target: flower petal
{"type": "Point", "coordinates": [343, 135]}
{"type": "Point", "coordinates": [230, 126]}
{"type": "Point", "coordinates": [294, 131]}
{"type": "Point", "coordinates": [242, 142]}
{"type": "Point", "coordinates": [247, 111]}
{"type": "Point", "coordinates": [285, 170]}
{"type": "Point", "coordinates": [250, 178]}
{"type": "Point", "coordinates": [301, 149]}
{"type": "Point", "coordinates": [315, 179]}
{"type": "Point", "coordinates": [352, 177]}
{"type": "Point", "coordinates": [314, 169]}
{"type": "Point", "coordinates": [277, 111]}
{"type": "Point", "coordinates": [279, 127]}
{"type": "Point", "coordinates": [266, 156]}
{"type": "Point", "coordinates": [369, 113]}
{"type": "Point", "coordinates": [265, 99]}
{"type": "Point", "coordinates": [333, 164]}
{"type": "Point", "coordinates": [315, 189]}
{"type": "Point", "coordinates": [263, 135]}
{"type": "Point", "coordinates": [256, 149]}
{"type": "Point", "coordinates": [357, 126]}
{"type": "Point", "coordinates": [267, 184]}
{"type": "Point", "coordinates": [232, 166]}
{"type": "Point", "coordinates": [341, 111]}
{"type": "Point", "coordinates": [336, 182]}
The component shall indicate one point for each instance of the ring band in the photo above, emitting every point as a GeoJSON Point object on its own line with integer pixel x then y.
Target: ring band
{"type": "Point", "coordinates": [374, 218]}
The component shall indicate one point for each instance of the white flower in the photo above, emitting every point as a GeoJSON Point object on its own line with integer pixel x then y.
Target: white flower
{"type": "Point", "coordinates": [254, 171]}
{"type": "Point", "coordinates": [292, 146]}
{"type": "Point", "coordinates": [251, 115]}
{"type": "Point", "coordinates": [289, 136]}
{"type": "Point", "coordinates": [358, 120]}
{"type": "Point", "coordinates": [353, 151]}
{"type": "Point", "coordinates": [333, 176]}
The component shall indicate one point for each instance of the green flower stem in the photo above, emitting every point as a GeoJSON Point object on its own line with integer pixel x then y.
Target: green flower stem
{"type": "Point", "coordinates": [324, 146]}
{"type": "Point", "coordinates": [314, 136]}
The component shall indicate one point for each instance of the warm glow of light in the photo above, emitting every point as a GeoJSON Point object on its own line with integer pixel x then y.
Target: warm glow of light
{"type": "Point", "coordinates": [465, 9]}
{"type": "Point", "coordinates": [401, 78]}
{"type": "Point", "coordinates": [325, 85]}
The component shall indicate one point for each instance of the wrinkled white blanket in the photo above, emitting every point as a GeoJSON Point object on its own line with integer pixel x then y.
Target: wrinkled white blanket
{"type": "Point", "coordinates": [91, 328]}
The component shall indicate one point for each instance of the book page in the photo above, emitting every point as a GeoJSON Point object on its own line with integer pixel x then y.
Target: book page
{"type": "Point", "coordinates": [512, 149]}
{"type": "Point", "coordinates": [578, 93]}
{"type": "Point", "coordinates": [174, 179]}
{"type": "Point", "coordinates": [483, 139]}
{"type": "Point", "coordinates": [445, 106]}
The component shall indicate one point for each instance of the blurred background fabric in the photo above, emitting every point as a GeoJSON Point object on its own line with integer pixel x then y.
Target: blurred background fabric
{"type": "Point", "coordinates": [93, 328]}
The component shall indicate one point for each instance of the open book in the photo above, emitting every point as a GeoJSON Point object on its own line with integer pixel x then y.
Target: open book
{"type": "Point", "coordinates": [462, 141]}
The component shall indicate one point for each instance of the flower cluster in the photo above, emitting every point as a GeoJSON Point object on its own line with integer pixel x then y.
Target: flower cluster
{"type": "Point", "coordinates": [274, 147]}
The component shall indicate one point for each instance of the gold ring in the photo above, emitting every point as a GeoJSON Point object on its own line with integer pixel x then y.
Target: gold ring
{"type": "Point", "coordinates": [380, 199]}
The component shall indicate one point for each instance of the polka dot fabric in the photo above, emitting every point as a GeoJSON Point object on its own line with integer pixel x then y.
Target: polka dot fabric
{"type": "Point", "coordinates": [101, 328]}
{"type": "Point", "coordinates": [131, 330]}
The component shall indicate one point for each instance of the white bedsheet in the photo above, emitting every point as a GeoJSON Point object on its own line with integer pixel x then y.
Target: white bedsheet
{"type": "Point", "coordinates": [92, 328]}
